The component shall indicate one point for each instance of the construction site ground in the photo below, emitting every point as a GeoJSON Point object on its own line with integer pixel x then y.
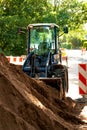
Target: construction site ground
{"type": "Point", "coordinates": [26, 104]}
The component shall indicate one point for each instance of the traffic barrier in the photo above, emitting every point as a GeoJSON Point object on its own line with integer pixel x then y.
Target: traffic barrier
{"type": "Point", "coordinates": [19, 60]}
{"type": "Point", "coordinates": [82, 69]}
{"type": "Point", "coordinates": [83, 51]}
{"type": "Point", "coordinates": [64, 56]}
{"type": "Point", "coordinates": [65, 60]}
{"type": "Point", "coordinates": [16, 59]}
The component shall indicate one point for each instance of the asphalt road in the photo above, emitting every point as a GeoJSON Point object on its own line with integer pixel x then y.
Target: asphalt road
{"type": "Point", "coordinates": [75, 57]}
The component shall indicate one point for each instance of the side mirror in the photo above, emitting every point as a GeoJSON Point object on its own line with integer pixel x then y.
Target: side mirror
{"type": "Point", "coordinates": [21, 30]}
{"type": "Point", "coordinates": [65, 29]}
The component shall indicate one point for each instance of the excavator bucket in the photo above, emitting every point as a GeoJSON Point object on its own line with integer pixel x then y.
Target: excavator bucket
{"type": "Point", "coordinates": [55, 82]}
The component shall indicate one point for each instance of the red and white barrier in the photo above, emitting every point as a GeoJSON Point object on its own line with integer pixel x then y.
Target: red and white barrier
{"type": "Point", "coordinates": [82, 68]}
{"type": "Point", "coordinates": [16, 59]}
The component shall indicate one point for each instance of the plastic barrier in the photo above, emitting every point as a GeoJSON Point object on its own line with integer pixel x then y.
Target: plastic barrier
{"type": "Point", "coordinates": [65, 60]}
{"type": "Point", "coordinates": [19, 60]}
{"type": "Point", "coordinates": [82, 69]}
{"type": "Point", "coordinates": [83, 51]}
{"type": "Point", "coordinates": [64, 56]}
{"type": "Point", "coordinates": [16, 60]}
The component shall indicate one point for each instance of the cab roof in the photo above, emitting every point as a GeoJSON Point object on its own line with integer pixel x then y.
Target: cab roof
{"type": "Point", "coordinates": [43, 24]}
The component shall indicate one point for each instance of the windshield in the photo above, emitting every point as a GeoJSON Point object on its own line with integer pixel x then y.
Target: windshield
{"type": "Point", "coordinates": [42, 39]}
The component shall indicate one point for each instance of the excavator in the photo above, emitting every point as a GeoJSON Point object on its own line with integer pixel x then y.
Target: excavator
{"type": "Point", "coordinates": [43, 60]}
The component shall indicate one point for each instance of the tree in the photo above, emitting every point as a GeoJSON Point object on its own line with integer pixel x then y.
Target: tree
{"type": "Point", "coordinates": [71, 13]}
{"type": "Point", "coordinates": [16, 14]}
{"type": "Point", "coordinates": [19, 13]}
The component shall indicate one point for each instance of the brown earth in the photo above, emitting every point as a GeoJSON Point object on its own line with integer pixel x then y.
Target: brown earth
{"type": "Point", "coordinates": [26, 104]}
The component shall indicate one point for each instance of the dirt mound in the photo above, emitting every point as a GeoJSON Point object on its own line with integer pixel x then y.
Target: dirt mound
{"type": "Point", "coordinates": [26, 104]}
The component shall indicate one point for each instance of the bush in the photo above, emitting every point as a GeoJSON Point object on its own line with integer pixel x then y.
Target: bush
{"type": "Point", "coordinates": [66, 45]}
{"type": "Point", "coordinates": [85, 45]}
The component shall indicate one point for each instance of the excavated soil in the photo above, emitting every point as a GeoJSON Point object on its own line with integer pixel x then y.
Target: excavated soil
{"type": "Point", "coordinates": [26, 104]}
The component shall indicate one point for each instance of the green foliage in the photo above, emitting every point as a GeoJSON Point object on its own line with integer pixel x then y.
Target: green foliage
{"type": "Point", "coordinates": [19, 13]}
{"type": "Point", "coordinates": [76, 43]}
{"type": "Point", "coordinates": [85, 45]}
{"type": "Point", "coordinates": [66, 45]}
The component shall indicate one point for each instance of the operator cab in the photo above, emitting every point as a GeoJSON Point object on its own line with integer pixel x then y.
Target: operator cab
{"type": "Point", "coordinates": [42, 49]}
{"type": "Point", "coordinates": [42, 38]}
